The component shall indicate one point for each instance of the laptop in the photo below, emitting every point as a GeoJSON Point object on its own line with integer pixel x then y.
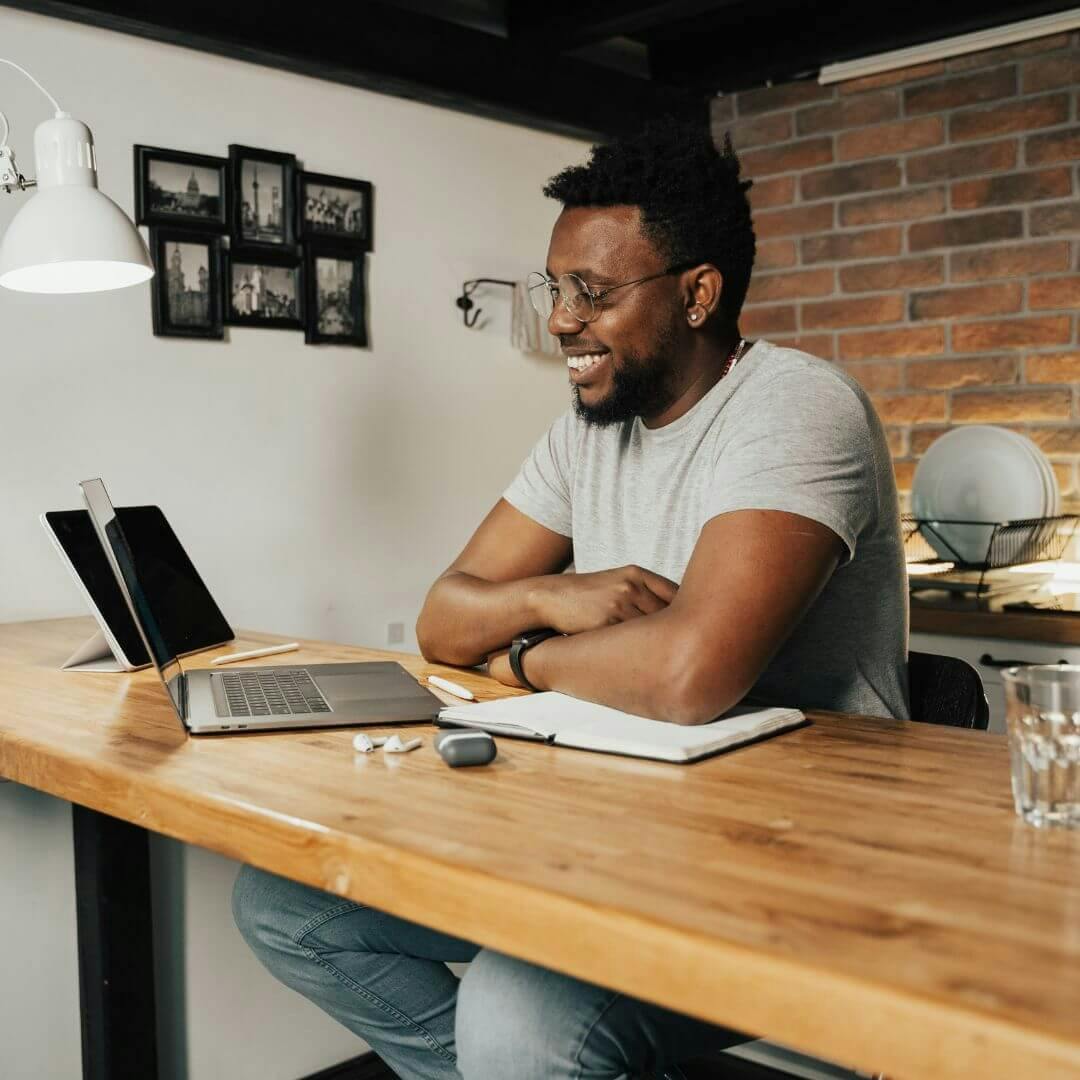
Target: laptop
{"type": "Point", "coordinates": [255, 698]}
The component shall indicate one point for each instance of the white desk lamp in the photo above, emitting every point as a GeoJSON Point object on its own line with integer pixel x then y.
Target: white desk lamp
{"type": "Point", "coordinates": [69, 237]}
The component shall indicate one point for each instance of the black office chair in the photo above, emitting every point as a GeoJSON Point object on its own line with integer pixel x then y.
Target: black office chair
{"type": "Point", "coordinates": [941, 690]}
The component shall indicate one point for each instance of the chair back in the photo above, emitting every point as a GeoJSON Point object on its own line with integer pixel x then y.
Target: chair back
{"type": "Point", "coordinates": [946, 690]}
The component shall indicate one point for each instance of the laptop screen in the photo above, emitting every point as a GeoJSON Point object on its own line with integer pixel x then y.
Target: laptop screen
{"type": "Point", "coordinates": [125, 567]}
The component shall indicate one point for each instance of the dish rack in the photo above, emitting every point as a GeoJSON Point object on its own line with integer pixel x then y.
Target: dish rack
{"type": "Point", "coordinates": [1011, 543]}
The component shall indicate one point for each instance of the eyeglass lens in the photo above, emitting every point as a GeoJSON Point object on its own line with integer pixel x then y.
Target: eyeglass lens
{"type": "Point", "coordinates": [573, 292]}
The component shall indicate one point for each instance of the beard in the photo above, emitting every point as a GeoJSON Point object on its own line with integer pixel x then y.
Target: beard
{"type": "Point", "coordinates": [640, 386]}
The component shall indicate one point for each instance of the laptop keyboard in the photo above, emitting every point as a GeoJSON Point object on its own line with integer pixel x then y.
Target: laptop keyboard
{"type": "Point", "coordinates": [272, 693]}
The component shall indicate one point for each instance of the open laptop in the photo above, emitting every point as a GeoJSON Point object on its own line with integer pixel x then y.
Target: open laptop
{"type": "Point", "coordinates": [256, 698]}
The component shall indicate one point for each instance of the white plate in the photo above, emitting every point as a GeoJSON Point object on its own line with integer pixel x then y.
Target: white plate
{"type": "Point", "coordinates": [981, 474]}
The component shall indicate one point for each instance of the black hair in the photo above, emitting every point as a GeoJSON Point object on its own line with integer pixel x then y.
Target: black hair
{"type": "Point", "coordinates": [693, 203]}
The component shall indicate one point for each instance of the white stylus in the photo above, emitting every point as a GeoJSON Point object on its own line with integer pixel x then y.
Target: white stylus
{"type": "Point", "coordinates": [270, 650]}
{"type": "Point", "coordinates": [451, 687]}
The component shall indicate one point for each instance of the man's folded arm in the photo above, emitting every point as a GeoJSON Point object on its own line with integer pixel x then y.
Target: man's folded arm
{"type": "Point", "coordinates": [752, 576]}
{"type": "Point", "coordinates": [489, 593]}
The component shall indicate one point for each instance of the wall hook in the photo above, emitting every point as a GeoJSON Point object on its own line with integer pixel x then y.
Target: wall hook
{"type": "Point", "coordinates": [466, 304]}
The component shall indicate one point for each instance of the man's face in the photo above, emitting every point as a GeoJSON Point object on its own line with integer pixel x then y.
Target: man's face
{"type": "Point", "coordinates": [632, 342]}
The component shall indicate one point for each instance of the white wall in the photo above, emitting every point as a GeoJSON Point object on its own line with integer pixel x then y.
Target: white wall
{"type": "Point", "coordinates": [354, 476]}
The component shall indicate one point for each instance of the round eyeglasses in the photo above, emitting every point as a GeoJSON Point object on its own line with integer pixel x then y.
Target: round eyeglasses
{"type": "Point", "coordinates": [582, 302]}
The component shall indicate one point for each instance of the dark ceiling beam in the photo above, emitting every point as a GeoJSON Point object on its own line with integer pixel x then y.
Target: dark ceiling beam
{"type": "Point", "coordinates": [535, 23]}
{"type": "Point", "coordinates": [382, 48]}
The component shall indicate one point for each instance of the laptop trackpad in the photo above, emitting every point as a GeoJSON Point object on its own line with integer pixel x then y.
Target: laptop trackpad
{"type": "Point", "coordinates": [343, 689]}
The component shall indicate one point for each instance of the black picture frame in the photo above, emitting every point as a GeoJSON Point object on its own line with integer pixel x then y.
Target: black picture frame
{"type": "Point", "coordinates": [177, 310]}
{"type": "Point", "coordinates": [244, 213]}
{"type": "Point", "coordinates": [359, 237]}
{"type": "Point", "coordinates": [263, 295]}
{"type": "Point", "coordinates": [191, 208]}
{"type": "Point", "coordinates": [347, 326]}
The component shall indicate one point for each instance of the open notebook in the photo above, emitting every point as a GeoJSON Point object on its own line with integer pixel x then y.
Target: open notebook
{"type": "Point", "coordinates": [567, 721]}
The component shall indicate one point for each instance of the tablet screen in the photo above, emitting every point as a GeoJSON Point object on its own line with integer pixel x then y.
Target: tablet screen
{"type": "Point", "coordinates": [190, 619]}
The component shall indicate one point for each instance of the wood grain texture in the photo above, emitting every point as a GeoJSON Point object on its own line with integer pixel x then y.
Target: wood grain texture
{"type": "Point", "coordinates": [859, 889]}
{"type": "Point", "coordinates": [1056, 629]}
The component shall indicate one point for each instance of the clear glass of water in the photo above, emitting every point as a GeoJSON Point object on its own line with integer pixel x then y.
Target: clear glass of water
{"type": "Point", "coordinates": [1042, 705]}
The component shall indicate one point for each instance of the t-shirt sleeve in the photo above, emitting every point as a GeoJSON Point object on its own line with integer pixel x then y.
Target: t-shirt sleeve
{"type": "Point", "coordinates": [805, 446]}
{"type": "Point", "coordinates": [542, 487]}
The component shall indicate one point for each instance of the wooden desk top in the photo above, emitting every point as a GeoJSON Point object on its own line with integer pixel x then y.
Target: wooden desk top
{"type": "Point", "coordinates": [859, 889]}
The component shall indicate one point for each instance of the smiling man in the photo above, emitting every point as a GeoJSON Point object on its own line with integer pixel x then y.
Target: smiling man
{"type": "Point", "coordinates": [731, 517]}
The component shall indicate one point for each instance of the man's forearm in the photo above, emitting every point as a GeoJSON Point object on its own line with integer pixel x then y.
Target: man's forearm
{"type": "Point", "coordinates": [643, 666]}
{"type": "Point", "coordinates": [465, 618]}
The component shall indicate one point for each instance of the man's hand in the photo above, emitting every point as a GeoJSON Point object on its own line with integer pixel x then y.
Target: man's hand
{"type": "Point", "coordinates": [574, 603]}
{"type": "Point", "coordinates": [499, 668]}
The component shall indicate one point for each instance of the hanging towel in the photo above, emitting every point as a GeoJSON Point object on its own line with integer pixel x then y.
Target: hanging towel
{"type": "Point", "coordinates": [528, 329]}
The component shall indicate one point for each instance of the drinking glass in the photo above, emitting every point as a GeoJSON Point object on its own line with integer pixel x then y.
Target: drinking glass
{"type": "Point", "coordinates": [1043, 715]}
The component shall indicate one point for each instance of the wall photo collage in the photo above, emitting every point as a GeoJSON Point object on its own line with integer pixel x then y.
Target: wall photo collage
{"type": "Point", "coordinates": [253, 240]}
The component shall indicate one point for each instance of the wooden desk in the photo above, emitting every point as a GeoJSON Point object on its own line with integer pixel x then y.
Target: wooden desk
{"type": "Point", "coordinates": [859, 889]}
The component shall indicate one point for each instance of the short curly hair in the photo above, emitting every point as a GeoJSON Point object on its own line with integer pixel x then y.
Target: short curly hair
{"type": "Point", "coordinates": [693, 203]}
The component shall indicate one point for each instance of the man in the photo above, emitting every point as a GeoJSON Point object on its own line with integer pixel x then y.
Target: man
{"type": "Point", "coordinates": [731, 515]}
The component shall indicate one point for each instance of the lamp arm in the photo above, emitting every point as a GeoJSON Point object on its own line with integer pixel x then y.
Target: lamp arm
{"type": "Point", "coordinates": [10, 177]}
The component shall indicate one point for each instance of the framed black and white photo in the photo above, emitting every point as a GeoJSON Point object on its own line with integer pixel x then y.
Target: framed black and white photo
{"type": "Point", "coordinates": [335, 208]}
{"type": "Point", "coordinates": [336, 295]}
{"type": "Point", "coordinates": [186, 288]}
{"type": "Point", "coordinates": [264, 290]}
{"type": "Point", "coordinates": [263, 214]}
{"type": "Point", "coordinates": [173, 188]}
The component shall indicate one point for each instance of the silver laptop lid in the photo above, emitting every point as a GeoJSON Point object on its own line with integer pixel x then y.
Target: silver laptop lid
{"type": "Point", "coordinates": [118, 553]}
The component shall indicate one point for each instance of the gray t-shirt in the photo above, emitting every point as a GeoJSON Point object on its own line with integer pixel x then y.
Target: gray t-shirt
{"type": "Point", "coordinates": [783, 431]}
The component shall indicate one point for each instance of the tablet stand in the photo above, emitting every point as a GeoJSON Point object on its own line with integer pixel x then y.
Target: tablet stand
{"type": "Point", "coordinates": [95, 654]}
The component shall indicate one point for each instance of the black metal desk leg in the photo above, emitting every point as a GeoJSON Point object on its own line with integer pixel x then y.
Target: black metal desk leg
{"type": "Point", "coordinates": [116, 959]}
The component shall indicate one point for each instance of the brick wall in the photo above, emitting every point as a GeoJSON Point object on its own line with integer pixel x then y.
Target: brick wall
{"type": "Point", "coordinates": [921, 228]}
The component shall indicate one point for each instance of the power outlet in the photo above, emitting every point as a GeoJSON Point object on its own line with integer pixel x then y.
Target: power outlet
{"type": "Point", "coordinates": [395, 633]}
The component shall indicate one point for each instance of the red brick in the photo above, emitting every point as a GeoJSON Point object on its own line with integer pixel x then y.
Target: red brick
{"type": "Point", "coordinates": [1058, 292]}
{"type": "Point", "coordinates": [823, 345]}
{"type": "Point", "coordinates": [1053, 146]}
{"type": "Point", "coordinates": [896, 439]}
{"type": "Point", "coordinates": [951, 374]}
{"type": "Point", "coordinates": [1056, 440]}
{"type": "Point", "coordinates": [775, 255]}
{"type": "Point", "coordinates": [1051, 73]}
{"type": "Point", "coordinates": [793, 286]}
{"type": "Point", "coordinates": [918, 408]}
{"type": "Point", "coordinates": [848, 113]}
{"type": "Point", "coordinates": [904, 473]}
{"type": "Point", "coordinates": [895, 138]}
{"type": "Point", "coordinates": [1002, 54]}
{"type": "Point", "coordinates": [1060, 367]}
{"type": "Point", "coordinates": [865, 311]}
{"type": "Point", "coordinates": [1017, 187]}
{"type": "Point", "coordinates": [1003, 299]}
{"type": "Point", "coordinates": [721, 110]}
{"type": "Point", "coordinates": [850, 179]}
{"type": "Point", "coordinates": [924, 437]}
{"type": "Point", "coordinates": [788, 158]}
{"type": "Point", "coordinates": [1012, 334]}
{"type": "Point", "coordinates": [784, 96]}
{"type": "Point", "coordinates": [963, 161]}
{"type": "Point", "coordinates": [1059, 218]}
{"type": "Point", "coordinates": [842, 247]}
{"type": "Point", "coordinates": [891, 78]}
{"type": "Point", "coordinates": [893, 274]}
{"type": "Point", "coordinates": [795, 222]}
{"type": "Point", "coordinates": [761, 130]}
{"type": "Point", "coordinates": [960, 231]}
{"type": "Point", "coordinates": [898, 206]}
{"type": "Point", "coordinates": [1010, 261]}
{"type": "Point", "coordinates": [1014, 116]}
{"type": "Point", "coordinates": [755, 321]}
{"type": "Point", "coordinates": [875, 377]}
{"type": "Point", "coordinates": [776, 192]}
{"type": "Point", "coordinates": [995, 406]}
{"type": "Point", "coordinates": [1066, 477]}
{"type": "Point", "coordinates": [998, 82]}
{"type": "Point", "coordinates": [887, 344]}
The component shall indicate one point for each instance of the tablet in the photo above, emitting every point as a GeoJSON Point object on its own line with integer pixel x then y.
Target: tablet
{"type": "Point", "coordinates": [190, 618]}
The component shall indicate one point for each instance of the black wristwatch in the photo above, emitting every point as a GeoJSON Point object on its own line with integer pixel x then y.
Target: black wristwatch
{"type": "Point", "coordinates": [518, 648]}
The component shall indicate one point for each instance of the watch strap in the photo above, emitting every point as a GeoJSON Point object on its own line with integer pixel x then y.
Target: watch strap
{"type": "Point", "coordinates": [520, 645]}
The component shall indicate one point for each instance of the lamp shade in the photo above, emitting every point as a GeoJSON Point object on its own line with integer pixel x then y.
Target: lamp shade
{"type": "Point", "coordinates": [69, 237]}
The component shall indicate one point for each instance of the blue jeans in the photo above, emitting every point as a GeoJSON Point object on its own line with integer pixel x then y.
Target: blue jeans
{"type": "Point", "coordinates": [386, 980]}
